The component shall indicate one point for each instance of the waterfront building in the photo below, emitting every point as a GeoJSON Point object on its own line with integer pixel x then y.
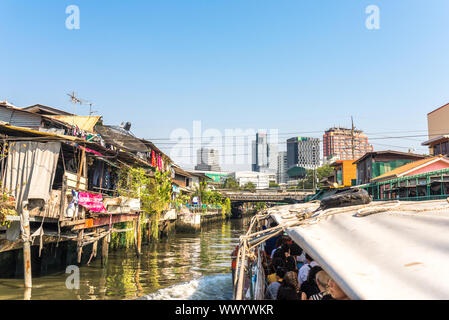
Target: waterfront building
{"type": "Point", "coordinates": [374, 164]}
{"type": "Point", "coordinates": [264, 155]}
{"type": "Point", "coordinates": [259, 179]}
{"type": "Point", "coordinates": [345, 144]}
{"type": "Point", "coordinates": [208, 160]}
{"type": "Point", "coordinates": [438, 131]}
{"type": "Point", "coordinates": [345, 173]}
{"type": "Point", "coordinates": [424, 179]}
{"type": "Point", "coordinates": [282, 176]}
{"type": "Point", "coordinates": [216, 177]}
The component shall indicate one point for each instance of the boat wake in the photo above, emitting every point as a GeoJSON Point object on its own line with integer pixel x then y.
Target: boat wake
{"type": "Point", "coordinates": [213, 287]}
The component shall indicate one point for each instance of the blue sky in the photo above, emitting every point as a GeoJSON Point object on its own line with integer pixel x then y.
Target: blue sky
{"type": "Point", "coordinates": [296, 66]}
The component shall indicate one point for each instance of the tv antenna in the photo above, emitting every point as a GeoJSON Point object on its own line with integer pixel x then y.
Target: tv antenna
{"type": "Point", "coordinates": [74, 100]}
{"type": "Point", "coordinates": [91, 112]}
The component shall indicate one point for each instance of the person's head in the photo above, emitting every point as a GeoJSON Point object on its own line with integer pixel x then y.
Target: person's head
{"type": "Point", "coordinates": [285, 249]}
{"type": "Point", "coordinates": [276, 262]}
{"type": "Point", "coordinates": [309, 258]}
{"type": "Point", "coordinates": [279, 242]}
{"type": "Point", "coordinates": [291, 279]}
{"type": "Point", "coordinates": [312, 273]}
{"type": "Point", "coordinates": [335, 291]}
{"type": "Point", "coordinates": [295, 250]}
{"type": "Point", "coordinates": [280, 272]}
{"type": "Point", "coordinates": [322, 279]}
{"type": "Point", "coordinates": [290, 264]}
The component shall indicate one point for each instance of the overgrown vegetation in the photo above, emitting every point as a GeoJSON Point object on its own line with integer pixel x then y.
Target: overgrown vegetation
{"type": "Point", "coordinates": [7, 208]}
{"type": "Point", "coordinates": [212, 198]}
{"type": "Point", "coordinates": [154, 193]}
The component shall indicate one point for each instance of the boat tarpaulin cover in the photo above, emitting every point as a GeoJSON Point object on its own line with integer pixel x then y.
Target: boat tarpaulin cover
{"type": "Point", "coordinates": [401, 253]}
{"type": "Point", "coordinates": [31, 170]}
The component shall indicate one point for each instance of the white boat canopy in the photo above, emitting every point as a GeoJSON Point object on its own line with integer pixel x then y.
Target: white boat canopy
{"type": "Point", "coordinates": [383, 250]}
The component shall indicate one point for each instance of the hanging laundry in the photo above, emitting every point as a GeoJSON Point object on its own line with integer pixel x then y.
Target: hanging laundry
{"type": "Point", "coordinates": [153, 159]}
{"type": "Point", "coordinates": [92, 202]}
{"type": "Point", "coordinates": [159, 162]}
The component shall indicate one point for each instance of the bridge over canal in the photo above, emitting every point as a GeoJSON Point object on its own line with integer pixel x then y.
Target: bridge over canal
{"type": "Point", "coordinates": [242, 196]}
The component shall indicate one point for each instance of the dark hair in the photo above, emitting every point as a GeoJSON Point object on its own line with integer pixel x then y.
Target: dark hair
{"type": "Point", "coordinates": [276, 262]}
{"type": "Point", "coordinates": [309, 257]}
{"type": "Point", "coordinates": [280, 272]}
{"type": "Point", "coordinates": [290, 264]}
{"type": "Point", "coordinates": [285, 248]}
{"type": "Point", "coordinates": [295, 250]}
{"type": "Point", "coordinates": [312, 273]}
{"type": "Point", "coordinates": [287, 293]}
{"type": "Point", "coordinates": [279, 242]}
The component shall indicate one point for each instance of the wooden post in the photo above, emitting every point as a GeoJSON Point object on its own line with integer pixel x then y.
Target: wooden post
{"type": "Point", "coordinates": [139, 237]}
{"type": "Point", "coordinates": [81, 168]}
{"type": "Point", "coordinates": [104, 251]}
{"type": "Point", "coordinates": [80, 247]}
{"type": "Point", "coordinates": [26, 248]}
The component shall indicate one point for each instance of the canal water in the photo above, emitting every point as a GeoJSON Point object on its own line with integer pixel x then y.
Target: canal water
{"type": "Point", "coordinates": [182, 266]}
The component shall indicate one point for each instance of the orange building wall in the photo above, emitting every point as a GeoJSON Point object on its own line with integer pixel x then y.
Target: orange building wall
{"type": "Point", "coordinates": [349, 172]}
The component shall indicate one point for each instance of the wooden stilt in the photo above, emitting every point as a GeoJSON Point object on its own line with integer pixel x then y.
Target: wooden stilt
{"type": "Point", "coordinates": [139, 237]}
{"type": "Point", "coordinates": [80, 247]}
{"type": "Point", "coordinates": [26, 249]}
{"type": "Point", "coordinates": [27, 294]}
{"type": "Point", "coordinates": [104, 251]}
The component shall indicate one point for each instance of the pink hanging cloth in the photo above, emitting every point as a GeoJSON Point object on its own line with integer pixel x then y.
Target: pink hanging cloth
{"type": "Point", "coordinates": [92, 202]}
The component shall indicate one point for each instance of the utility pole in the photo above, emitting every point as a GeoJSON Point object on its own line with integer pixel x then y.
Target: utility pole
{"type": "Point", "coordinates": [352, 139]}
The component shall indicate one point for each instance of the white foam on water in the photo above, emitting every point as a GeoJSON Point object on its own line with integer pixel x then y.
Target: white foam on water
{"type": "Point", "coordinates": [214, 287]}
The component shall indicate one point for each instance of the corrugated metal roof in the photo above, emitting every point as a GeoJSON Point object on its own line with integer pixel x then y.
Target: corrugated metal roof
{"type": "Point", "coordinates": [19, 118]}
{"type": "Point", "coordinates": [39, 133]}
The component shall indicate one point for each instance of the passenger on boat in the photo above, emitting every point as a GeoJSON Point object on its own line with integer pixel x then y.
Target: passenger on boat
{"type": "Point", "coordinates": [234, 262]}
{"type": "Point", "coordinates": [280, 241]}
{"type": "Point", "coordinates": [321, 279]}
{"type": "Point", "coordinates": [270, 244]}
{"type": "Point", "coordinates": [309, 287]}
{"type": "Point", "coordinates": [289, 289]}
{"type": "Point", "coordinates": [275, 263]}
{"type": "Point", "coordinates": [304, 271]}
{"type": "Point", "coordinates": [288, 261]}
{"type": "Point", "coordinates": [272, 290]}
{"type": "Point", "coordinates": [335, 291]}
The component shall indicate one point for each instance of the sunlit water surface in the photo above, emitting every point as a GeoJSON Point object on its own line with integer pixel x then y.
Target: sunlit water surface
{"type": "Point", "coordinates": [183, 266]}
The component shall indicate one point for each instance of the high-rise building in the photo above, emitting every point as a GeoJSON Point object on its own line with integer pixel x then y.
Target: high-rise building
{"type": "Point", "coordinates": [282, 176]}
{"type": "Point", "coordinates": [265, 155]}
{"type": "Point", "coordinates": [303, 152]}
{"type": "Point", "coordinates": [345, 144]}
{"type": "Point", "coordinates": [208, 160]}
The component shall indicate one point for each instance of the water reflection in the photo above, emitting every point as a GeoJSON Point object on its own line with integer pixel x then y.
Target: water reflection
{"type": "Point", "coordinates": [183, 266]}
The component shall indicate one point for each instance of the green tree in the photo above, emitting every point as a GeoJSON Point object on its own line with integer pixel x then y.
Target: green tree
{"type": "Point", "coordinates": [321, 172]}
{"type": "Point", "coordinates": [273, 185]}
{"type": "Point", "coordinates": [231, 183]}
{"type": "Point", "coordinates": [154, 193]}
{"type": "Point", "coordinates": [249, 186]}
